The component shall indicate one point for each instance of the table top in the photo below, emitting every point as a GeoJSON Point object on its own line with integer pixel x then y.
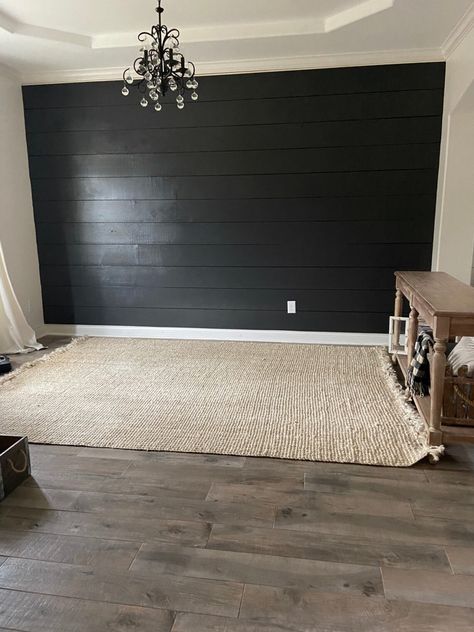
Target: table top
{"type": "Point", "coordinates": [443, 294]}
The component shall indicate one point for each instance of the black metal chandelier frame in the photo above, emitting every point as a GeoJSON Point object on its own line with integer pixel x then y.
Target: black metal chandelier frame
{"type": "Point", "coordinates": [161, 66]}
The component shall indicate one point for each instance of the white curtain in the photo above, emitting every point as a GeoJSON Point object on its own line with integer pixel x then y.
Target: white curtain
{"type": "Point", "coordinates": [16, 336]}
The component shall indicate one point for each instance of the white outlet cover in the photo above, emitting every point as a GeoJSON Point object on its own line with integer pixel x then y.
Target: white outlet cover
{"type": "Point", "coordinates": [291, 307]}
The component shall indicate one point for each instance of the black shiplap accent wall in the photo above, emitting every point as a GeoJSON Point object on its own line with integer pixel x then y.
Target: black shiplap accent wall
{"type": "Point", "coordinates": [311, 186]}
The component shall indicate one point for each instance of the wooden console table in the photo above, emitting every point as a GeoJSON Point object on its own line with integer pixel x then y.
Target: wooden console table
{"type": "Point", "coordinates": [447, 306]}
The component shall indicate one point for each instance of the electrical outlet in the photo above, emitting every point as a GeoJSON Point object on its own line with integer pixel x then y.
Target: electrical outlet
{"type": "Point", "coordinates": [291, 307]}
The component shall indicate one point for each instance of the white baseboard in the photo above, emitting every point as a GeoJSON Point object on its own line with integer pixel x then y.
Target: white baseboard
{"type": "Point", "coordinates": [251, 335]}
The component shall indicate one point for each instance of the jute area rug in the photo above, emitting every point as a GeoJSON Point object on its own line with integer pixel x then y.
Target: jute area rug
{"type": "Point", "coordinates": [295, 401]}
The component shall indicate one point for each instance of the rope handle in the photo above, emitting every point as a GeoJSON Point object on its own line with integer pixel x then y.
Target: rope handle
{"type": "Point", "coordinates": [19, 470]}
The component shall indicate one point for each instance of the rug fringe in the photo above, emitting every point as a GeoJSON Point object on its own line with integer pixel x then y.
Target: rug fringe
{"type": "Point", "coordinates": [410, 414]}
{"type": "Point", "coordinates": [28, 365]}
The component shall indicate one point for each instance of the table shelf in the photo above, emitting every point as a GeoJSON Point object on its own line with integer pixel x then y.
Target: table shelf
{"type": "Point", "coordinates": [450, 434]}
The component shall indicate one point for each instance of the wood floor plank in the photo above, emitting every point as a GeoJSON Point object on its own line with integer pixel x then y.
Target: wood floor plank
{"type": "Point", "coordinates": [103, 467]}
{"type": "Point", "coordinates": [452, 510]}
{"type": "Point", "coordinates": [324, 502]}
{"type": "Point", "coordinates": [111, 453]}
{"type": "Point", "coordinates": [101, 526]}
{"type": "Point", "coordinates": [328, 548]}
{"type": "Point", "coordinates": [199, 460]}
{"type": "Point", "coordinates": [42, 498]}
{"type": "Point", "coordinates": [251, 568]}
{"type": "Point", "coordinates": [217, 460]}
{"type": "Point", "coordinates": [154, 472]}
{"type": "Point", "coordinates": [187, 622]}
{"type": "Point", "coordinates": [300, 610]}
{"type": "Point", "coordinates": [377, 528]}
{"type": "Point", "coordinates": [168, 592]}
{"type": "Point", "coordinates": [163, 508]}
{"type": "Point", "coordinates": [457, 477]}
{"type": "Point", "coordinates": [176, 509]}
{"type": "Point", "coordinates": [195, 489]}
{"type": "Point", "coordinates": [42, 449]}
{"type": "Point", "coordinates": [349, 469]}
{"type": "Point", "coordinates": [113, 554]}
{"type": "Point", "coordinates": [429, 587]}
{"type": "Point", "coordinates": [385, 489]}
{"type": "Point", "coordinates": [28, 612]}
{"type": "Point", "coordinates": [461, 559]}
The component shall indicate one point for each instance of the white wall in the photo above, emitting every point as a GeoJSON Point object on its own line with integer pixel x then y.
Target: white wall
{"type": "Point", "coordinates": [454, 228]}
{"type": "Point", "coordinates": [17, 230]}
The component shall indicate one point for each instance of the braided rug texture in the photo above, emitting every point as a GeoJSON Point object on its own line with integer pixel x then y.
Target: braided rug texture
{"type": "Point", "coordinates": [295, 401]}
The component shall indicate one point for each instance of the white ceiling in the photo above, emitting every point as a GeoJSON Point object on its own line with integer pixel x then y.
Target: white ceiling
{"type": "Point", "coordinates": [63, 40]}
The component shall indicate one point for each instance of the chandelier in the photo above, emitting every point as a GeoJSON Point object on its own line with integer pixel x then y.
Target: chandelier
{"type": "Point", "coordinates": [161, 67]}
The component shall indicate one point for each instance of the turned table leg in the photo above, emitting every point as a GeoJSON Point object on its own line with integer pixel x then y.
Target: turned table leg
{"type": "Point", "coordinates": [411, 337]}
{"type": "Point", "coordinates": [397, 312]}
{"type": "Point", "coordinates": [438, 369]}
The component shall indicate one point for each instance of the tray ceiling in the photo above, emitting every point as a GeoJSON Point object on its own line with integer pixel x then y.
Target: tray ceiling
{"type": "Point", "coordinates": [53, 40]}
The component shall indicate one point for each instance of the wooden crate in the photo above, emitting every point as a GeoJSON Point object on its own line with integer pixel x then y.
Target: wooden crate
{"type": "Point", "coordinates": [14, 463]}
{"type": "Point", "coordinates": [458, 398]}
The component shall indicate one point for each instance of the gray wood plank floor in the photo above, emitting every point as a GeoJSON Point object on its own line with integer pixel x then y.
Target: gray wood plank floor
{"type": "Point", "coordinates": [122, 540]}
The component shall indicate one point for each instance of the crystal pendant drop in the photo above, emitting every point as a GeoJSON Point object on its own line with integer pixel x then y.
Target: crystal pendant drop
{"type": "Point", "coordinates": [154, 95]}
{"type": "Point", "coordinates": [179, 99]}
{"type": "Point", "coordinates": [190, 84]}
{"type": "Point", "coordinates": [195, 96]}
{"type": "Point", "coordinates": [172, 85]}
{"type": "Point", "coordinates": [180, 105]}
{"type": "Point", "coordinates": [143, 102]}
{"type": "Point", "coordinates": [125, 91]}
{"type": "Point", "coordinates": [129, 78]}
{"type": "Point", "coordinates": [158, 107]}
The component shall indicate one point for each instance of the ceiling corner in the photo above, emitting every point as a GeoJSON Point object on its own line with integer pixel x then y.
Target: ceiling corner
{"type": "Point", "coordinates": [459, 32]}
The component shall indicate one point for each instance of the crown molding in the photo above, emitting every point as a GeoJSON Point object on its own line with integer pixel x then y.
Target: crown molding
{"type": "Point", "coordinates": [459, 33]}
{"type": "Point", "coordinates": [249, 66]}
{"type": "Point", "coordinates": [82, 75]}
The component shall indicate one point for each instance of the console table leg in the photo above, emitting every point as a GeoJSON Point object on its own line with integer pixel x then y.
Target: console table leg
{"type": "Point", "coordinates": [397, 312]}
{"type": "Point", "coordinates": [438, 369]}
{"type": "Point", "coordinates": [411, 338]}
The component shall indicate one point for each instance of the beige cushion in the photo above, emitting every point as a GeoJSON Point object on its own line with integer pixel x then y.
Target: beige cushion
{"type": "Point", "coordinates": [463, 354]}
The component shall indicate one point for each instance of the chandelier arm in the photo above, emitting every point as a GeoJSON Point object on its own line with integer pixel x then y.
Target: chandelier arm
{"type": "Point", "coordinates": [139, 61]}
{"type": "Point", "coordinates": [171, 34]}
{"type": "Point", "coordinates": [144, 35]}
